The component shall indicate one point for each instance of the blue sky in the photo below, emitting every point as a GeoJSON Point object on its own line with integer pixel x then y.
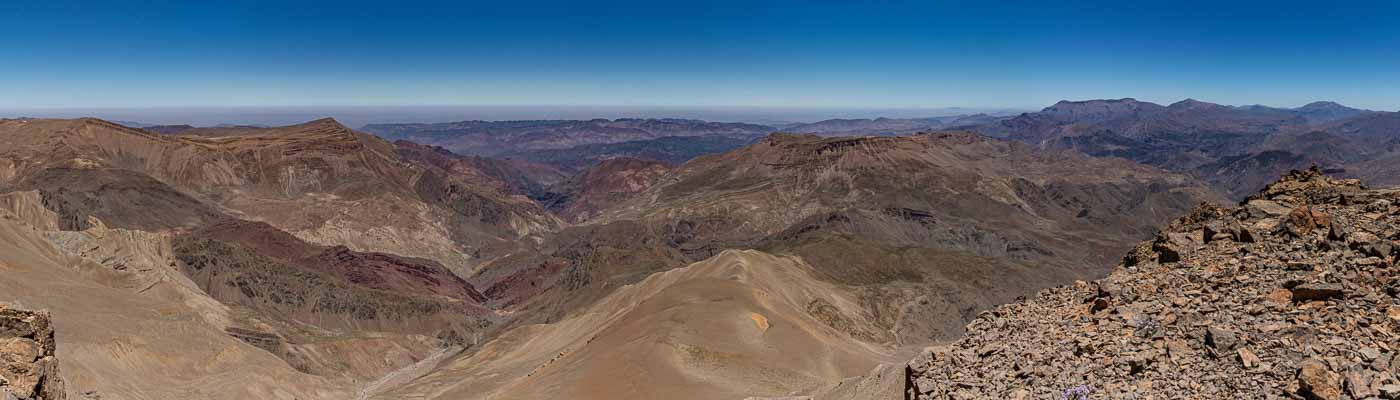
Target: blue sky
{"type": "Point", "coordinates": [770, 54]}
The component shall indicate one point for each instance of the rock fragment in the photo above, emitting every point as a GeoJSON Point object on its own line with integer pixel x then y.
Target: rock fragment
{"type": "Point", "coordinates": [28, 369]}
{"type": "Point", "coordinates": [1316, 292]}
{"type": "Point", "coordinates": [1316, 382]}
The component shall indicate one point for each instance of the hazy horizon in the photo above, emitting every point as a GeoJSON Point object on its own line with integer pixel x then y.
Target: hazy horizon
{"type": "Point", "coordinates": [358, 116]}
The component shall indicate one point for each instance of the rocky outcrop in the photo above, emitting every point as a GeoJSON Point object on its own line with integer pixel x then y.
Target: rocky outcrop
{"type": "Point", "coordinates": [1291, 295]}
{"type": "Point", "coordinates": [28, 369]}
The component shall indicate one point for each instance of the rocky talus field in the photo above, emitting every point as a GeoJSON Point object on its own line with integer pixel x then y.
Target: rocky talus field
{"type": "Point", "coordinates": [28, 369]}
{"type": "Point", "coordinates": [1291, 295]}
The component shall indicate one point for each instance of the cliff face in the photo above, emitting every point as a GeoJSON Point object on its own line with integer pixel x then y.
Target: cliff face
{"type": "Point", "coordinates": [1293, 294]}
{"type": "Point", "coordinates": [28, 369]}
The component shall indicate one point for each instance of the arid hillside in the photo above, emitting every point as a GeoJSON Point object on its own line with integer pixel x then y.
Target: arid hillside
{"type": "Point", "coordinates": [320, 181]}
{"type": "Point", "coordinates": [311, 259]}
{"type": "Point", "coordinates": [739, 324]}
{"type": "Point", "coordinates": [1289, 295]}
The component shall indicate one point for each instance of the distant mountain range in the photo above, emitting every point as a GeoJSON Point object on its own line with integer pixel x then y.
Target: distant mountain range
{"type": "Point", "coordinates": [494, 137]}
{"type": "Point", "coordinates": [889, 126]}
{"type": "Point", "coordinates": [1236, 149]}
{"type": "Point", "coordinates": [576, 144]}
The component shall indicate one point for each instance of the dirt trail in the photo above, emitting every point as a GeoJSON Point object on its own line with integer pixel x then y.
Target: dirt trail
{"type": "Point", "coordinates": [407, 373]}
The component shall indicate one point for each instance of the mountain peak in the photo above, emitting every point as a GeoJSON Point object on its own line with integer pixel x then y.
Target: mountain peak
{"type": "Point", "coordinates": [1099, 108]}
{"type": "Point", "coordinates": [329, 122]}
{"type": "Point", "coordinates": [1193, 104]}
{"type": "Point", "coordinates": [1324, 105]}
{"type": "Point", "coordinates": [1125, 100]}
{"type": "Point", "coordinates": [1323, 111]}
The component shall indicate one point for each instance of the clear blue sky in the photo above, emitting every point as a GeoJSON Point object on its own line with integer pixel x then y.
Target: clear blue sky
{"type": "Point", "coordinates": [792, 54]}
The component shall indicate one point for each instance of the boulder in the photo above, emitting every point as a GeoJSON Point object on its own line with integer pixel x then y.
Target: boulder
{"type": "Point", "coordinates": [1316, 292]}
{"type": "Point", "coordinates": [28, 369]}
{"type": "Point", "coordinates": [1220, 339]}
{"type": "Point", "coordinates": [1316, 382]}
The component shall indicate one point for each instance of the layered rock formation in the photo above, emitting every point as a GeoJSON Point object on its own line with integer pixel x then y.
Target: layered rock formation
{"type": "Point", "coordinates": [281, 258]}
{"type": "Point", "coordinates": [1290, 295]}
{"type": "Point", "coordinates": [314, 180]}
{"type": "Point", "coordinates": [28, 368]}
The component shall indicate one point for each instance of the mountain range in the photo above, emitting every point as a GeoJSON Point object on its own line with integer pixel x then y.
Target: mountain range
{"type": "Point", "coordinates": [574, 145]}
{"type": "Point", "coordinates": [315, 261]}
{"type": "Point", "coordinates": [299, 247]}
{"type": "Point", "coordinates": [1236, 149]}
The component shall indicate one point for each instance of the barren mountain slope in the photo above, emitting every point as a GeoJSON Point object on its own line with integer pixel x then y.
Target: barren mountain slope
{"type": "Point", "coordinates": [957, 191]}
{"type": "Point", "coordinates": [731, 326]}
{"type": "Point", "coordinates": [1290, 295]}
{"type": "Point", "coordinates": [316, 180]}
{"type": "Point", "coordinates": [598, 188]}
{"type": "Point", "coordinates": [924, 231]}
{"type": "Point", "coordinates": [146, 210]}
{"type": "Point", "coordinates": [515, 176]}
{"type": "Point", "coordinates": [154, 342]}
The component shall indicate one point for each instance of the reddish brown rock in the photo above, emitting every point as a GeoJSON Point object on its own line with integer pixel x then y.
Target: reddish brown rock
{"type": "Point", "coordinates": [1316, 382]}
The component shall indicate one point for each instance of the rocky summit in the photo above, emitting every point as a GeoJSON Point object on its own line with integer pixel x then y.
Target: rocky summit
{"type": "Point", "coordinates": [28, 369]}
{"type": "Point", "coordinates": [1290, 295]}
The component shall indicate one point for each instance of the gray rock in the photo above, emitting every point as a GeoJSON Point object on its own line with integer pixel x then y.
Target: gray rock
{"type": "Point", "coordinates": [1317, 292]}
{"type": "Point", "coordinates": [1220, 339]}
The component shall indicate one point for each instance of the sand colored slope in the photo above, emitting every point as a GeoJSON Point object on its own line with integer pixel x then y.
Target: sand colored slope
{"type": "Point", "coordinates": [728, 327]}
{"type": "Point", "coordinates": [120, 344]}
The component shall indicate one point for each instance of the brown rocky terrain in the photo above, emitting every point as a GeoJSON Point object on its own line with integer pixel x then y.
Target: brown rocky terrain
{"type": "Point", "coordinates": [311, 180]}
{"type": "Point", "coordinates": [514, 176]}
{"type": "Point", "coordinates": [287, 252]}
{"type": "Point", "coordinates": [902, 231]}
{"type": "Point", "coordinates": [128, 326]}
{"type": "Point", "coordinates": [254, 265]}
{"type": "Point", "coordinates": [606, 184]}
{"type": "Point", "coordinates": [1289, 295]}
{"type": "Point", "coordinates": [900, 217]}
{"type": "Point", "coordinates": [28, 368]}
